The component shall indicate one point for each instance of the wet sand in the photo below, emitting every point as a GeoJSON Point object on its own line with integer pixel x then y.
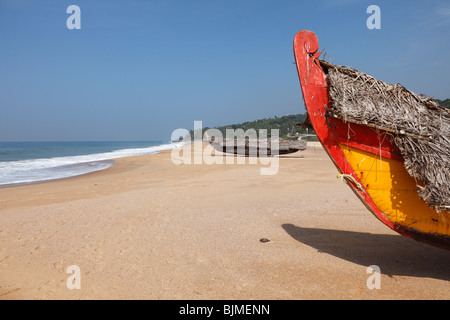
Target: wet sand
{"type": "Point", "coordinates": [149, 229]}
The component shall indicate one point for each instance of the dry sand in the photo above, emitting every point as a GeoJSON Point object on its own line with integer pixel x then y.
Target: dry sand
{"type": "Point", "coordinates": [148, 229]}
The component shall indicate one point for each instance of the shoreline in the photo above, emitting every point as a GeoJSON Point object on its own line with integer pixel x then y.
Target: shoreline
{"type": "Point", "coordinates": [42, 167]}
{"type": "Point", "coordinates": [19, 184]}
{"type": "Point", "coordinates": [113, 162]}
{"type": "Point", "coordinates": [148, 229]}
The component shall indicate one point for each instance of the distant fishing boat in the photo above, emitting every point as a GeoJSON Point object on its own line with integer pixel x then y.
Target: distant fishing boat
{"type": "Point", "coordinates": [391, 146]}
{"type": "Point", "coordinates": [180, 139]}
{"type": "Point", "coordinates": [249, 147]}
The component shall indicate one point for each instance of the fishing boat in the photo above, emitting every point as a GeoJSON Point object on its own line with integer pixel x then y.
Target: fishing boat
{"type": "Point", "coordinates": [262, 148]}
{"type": "Point", "coordinates": [389, 145]}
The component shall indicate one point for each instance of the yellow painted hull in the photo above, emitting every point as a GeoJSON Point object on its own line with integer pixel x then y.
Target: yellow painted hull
{"type": "Point", "coordinates": [394, 192]}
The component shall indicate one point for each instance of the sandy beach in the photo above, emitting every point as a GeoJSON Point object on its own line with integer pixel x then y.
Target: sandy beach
{"type": "Point", "coordinates": [149, 229]}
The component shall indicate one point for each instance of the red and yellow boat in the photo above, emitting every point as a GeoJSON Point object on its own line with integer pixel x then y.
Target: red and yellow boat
{"type": "Point", "coordinates": [371, 165]}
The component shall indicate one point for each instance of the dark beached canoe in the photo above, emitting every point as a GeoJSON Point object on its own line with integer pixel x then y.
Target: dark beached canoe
{"type": "Point", "coordinates": [257, 147]}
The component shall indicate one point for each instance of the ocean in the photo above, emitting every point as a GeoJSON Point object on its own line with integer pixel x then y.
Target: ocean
{"type": "Point", "coordinates": [32, 162]}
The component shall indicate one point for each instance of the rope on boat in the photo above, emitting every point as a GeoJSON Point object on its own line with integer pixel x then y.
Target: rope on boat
{"type": "Point", "coordinates": [350, 178]}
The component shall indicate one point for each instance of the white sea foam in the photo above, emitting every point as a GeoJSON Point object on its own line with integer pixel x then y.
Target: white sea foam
{"type": "Point", "coordinates": [37, 170]}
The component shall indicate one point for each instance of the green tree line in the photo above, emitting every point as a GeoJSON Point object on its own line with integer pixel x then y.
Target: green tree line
{"type": "Point", "coordinates": [287, 125]}
{"type": "Point", "coordinates": [445, 103]}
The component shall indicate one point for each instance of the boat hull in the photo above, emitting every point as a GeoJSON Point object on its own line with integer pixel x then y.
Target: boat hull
{"type": "Point", "coordinates": [366, 158]}
{"type": "Point", "coordinates": [259, 148]}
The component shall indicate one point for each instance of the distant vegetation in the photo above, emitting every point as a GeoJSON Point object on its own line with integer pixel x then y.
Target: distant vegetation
{"type": "Point", "coordinates": [445, 103]}
{"type": "Point", "coordinates": [288, 126]}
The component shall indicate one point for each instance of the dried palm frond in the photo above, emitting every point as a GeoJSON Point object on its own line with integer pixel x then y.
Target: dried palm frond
{"type": "Point", "coordinates": [419, 125]}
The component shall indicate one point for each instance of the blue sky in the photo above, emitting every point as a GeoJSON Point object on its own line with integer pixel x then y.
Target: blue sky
{"type": "Point", "coordinates": [137, 70]}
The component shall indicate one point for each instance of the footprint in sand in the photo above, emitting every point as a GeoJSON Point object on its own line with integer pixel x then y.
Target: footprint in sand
{"type": "Point", "coordinates": [202, 260]}
{"type": "Point", "coordinates": [2, 260]}
{"type": "Point", "coordinates": [59, 266]}
{"type": "Point", "coordinates": [35, 250]}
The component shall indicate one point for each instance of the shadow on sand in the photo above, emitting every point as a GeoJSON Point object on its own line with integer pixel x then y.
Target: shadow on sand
{"type": "Point", "coordinates": [394, 254]}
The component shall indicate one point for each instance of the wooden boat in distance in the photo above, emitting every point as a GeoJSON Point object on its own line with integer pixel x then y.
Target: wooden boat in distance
{"type": "Point", "coordinates": [368, 158]}
{"type": "Point", "coordinates": [261, 148]}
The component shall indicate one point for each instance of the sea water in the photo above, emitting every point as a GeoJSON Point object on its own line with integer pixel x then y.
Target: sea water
{"type": "Point", "coordinates": [31, 162]}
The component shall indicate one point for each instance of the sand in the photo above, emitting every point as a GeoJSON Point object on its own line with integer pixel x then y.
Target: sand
{"type": "Point", "coordinates": [149, 229]}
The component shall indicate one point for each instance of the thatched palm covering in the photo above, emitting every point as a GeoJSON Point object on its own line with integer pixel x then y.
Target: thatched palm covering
{"type": "Point", "coordinates": [419, 126]}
